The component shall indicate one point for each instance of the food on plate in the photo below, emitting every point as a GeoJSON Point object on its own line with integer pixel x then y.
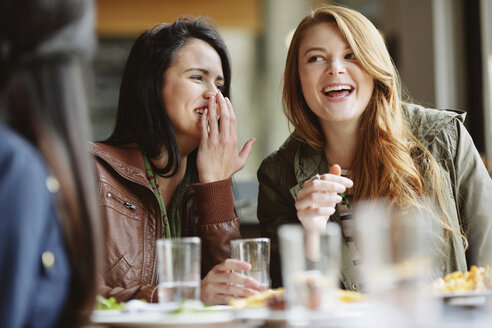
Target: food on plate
{"type": "Point", "coordinates": [275, 299]}
{"type": "Point", "coordinates": [110, 303]}
{"type": "Point", "coordinates": [477, 279]}
{"type": "Point", "coordinates": [257, 300]}
{"type": "Point", "coordinates": [191, 306]}
{"type": "Point", "coordinates": [349, 296]}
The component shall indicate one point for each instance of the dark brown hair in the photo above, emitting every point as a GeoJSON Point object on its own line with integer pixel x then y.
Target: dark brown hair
{"type": "Point", "coordinates": [141, 116]}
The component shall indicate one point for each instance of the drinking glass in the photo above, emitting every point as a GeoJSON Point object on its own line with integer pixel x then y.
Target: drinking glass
{"type": "Point", "coordinates": [401, 251]}
{"type": "Point", "coordinates": [255, 251]}
{"type": "Point", "coordinates": [310, 266]}
{"type": "Point", "coordinates": [179, 269]}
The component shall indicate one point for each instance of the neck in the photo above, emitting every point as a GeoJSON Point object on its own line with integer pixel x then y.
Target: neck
{"type": "Point", "coordinates": [169, 185]}
{"type": "Point", "coordinates": [162, 160]}
{"type": "Point", "coordinates": [185, 147]}
{"type": "Point", "coordinates": [186, 144]}
{"type": "Point", "coordinates": [341, 142]}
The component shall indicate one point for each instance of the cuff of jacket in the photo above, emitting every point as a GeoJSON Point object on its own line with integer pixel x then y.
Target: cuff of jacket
{"type": "Point", "coordinates": [214, 201]}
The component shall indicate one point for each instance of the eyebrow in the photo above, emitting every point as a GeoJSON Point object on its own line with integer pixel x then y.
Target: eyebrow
{"type": "Point", "coordinates": [204, 71]}
{"type": "Point", "coordinates": [322, 49]}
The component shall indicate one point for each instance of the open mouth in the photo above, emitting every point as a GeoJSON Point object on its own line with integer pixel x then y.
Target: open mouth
{"type": "Point", "coordinates": [338, 91]}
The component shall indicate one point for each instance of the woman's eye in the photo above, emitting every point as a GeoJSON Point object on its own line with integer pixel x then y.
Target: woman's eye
{"type": "Point", "coordinates": [197, 77]}
{"type": "Point", "coordinates": [314, 59]}
{"type": "Point", "coordinates": [350, 56]}
{"type": "Point", "coordinates": [220, 87]}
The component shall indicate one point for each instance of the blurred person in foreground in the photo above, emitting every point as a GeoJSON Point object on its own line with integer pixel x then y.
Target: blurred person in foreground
{"type": "Point", "coordinates": [356, 139]}
{"type": "Point", "coordinates": [49, 219]}
{"type": "Point", "coordinates": [165, 171]}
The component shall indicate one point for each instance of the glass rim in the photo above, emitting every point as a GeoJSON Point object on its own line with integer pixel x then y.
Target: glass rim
{"type": "Point", "coordinates": [179, 240]}
{"type": "Point", "coordinates": [263, 239]}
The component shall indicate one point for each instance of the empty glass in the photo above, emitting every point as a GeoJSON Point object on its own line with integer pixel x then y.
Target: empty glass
{"type": "Point", "coordinates": [255, 251]}
{"type": "Point", "coordinates": [310, 266]}
{"type": "Point", "coordinates": [179, 269]}
{"type": "Point", "coordinates": [400, 251]}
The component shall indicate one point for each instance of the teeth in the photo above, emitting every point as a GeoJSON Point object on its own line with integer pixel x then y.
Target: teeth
{"type": "Point", "coordinates": [338, 88]}
{"type": "Point", "coordinates": [199, 111]}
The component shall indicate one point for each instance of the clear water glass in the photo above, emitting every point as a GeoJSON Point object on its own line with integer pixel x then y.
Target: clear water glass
{"type": "Point", "coordinates": [179, 269]}
{"type": "Point", "coordinates": [310, 267]}
{"type": "Point", "coordinates": [255, 251]}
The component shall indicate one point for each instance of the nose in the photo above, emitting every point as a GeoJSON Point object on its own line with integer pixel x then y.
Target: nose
{"type": "Point", "coordinates": [335, 67]}
{"type": "Point", "coordinates": [210, 90]}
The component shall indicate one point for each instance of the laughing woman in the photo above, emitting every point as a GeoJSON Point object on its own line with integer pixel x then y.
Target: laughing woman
{"type": "Point", "coordinates": [166, 169]}
{"type": "Point", "coordinates": [342, 95]}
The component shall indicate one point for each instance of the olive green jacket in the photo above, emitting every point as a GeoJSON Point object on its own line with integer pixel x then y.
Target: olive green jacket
{"type": "Point", "coordinates": [282, 174]}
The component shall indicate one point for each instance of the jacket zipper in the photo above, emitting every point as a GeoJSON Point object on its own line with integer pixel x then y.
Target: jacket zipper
{"type": "Point", "coordinates": [126, 204]}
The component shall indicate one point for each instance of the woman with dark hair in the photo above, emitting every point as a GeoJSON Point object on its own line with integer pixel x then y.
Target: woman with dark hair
{"type": "Point", "coordinates": [166, 169]}
{"type": "Point", "coordinates": [342, 94]}
{"type": "Point", "coordinates": [49, 226]}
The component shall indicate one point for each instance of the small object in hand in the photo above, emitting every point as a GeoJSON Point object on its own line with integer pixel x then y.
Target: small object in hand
{"type": "Point", "coordinates": [336, 170]}
{"type": "Point", "coordinates": [316, 177]}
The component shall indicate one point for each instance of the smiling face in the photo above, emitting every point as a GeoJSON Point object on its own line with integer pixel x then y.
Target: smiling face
{"type": "Point", "coordinates": [190, 81]}
{"type": "Point", "coordinates": [335, 86]}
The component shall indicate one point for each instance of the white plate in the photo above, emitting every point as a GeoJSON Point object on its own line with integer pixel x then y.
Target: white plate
{"type": "Point", "coordinates": [157, 320]}
{"type": "Point", "coordinates": [340, 311]}
{"type": "Point", "coordinates": [469, 298]}
{"type": "Point", "coordinates": [470, 293]}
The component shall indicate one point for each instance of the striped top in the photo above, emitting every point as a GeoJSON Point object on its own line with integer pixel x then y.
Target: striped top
{"type": "Point", "coordinates": [348, 227]}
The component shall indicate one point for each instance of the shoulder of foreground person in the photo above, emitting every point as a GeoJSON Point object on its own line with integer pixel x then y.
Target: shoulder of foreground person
{"type": "Point", "coordinates": [29, 229]}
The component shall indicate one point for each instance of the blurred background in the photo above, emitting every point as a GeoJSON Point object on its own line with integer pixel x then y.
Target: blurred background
{"type": "Point", "coordinates": [440, 47]}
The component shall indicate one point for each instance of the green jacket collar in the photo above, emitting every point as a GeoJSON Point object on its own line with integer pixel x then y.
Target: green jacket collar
{"type": "Point", "coordinates": [424, 123]}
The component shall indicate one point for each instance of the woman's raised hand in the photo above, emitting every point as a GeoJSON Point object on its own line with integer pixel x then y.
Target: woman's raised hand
{"type": "Point", "coordinates": [317, 199]}
{"type": "Point", "coordinates": [222, 284]}
{"type": "Point", "coordinates": [218, 158]}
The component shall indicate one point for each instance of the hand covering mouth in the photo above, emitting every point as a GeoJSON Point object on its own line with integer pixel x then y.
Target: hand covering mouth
{"type": "Point", "coordinates": [200, 111]}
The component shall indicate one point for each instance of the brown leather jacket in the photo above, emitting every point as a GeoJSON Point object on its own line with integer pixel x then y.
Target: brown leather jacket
{"type": "Point", "coordinates": [132, 222]}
